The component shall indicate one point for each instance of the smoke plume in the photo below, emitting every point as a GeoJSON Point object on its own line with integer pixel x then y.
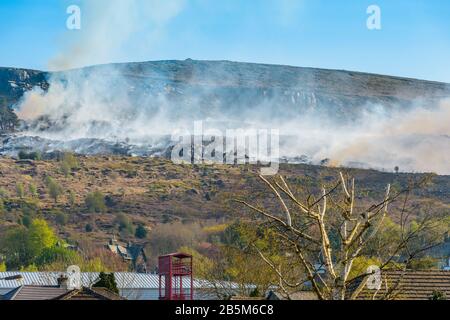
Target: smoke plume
{"type": "Point", "coordinates": [108, 103]}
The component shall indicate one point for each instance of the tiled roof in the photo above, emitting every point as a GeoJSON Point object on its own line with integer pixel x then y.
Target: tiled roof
{"type": "Point", "coordinates": [300, 295]}
{"type": "Point", "coordinates": [34, 293]}
{"type": "Point", "coordinates": [57, 293]}
{"type": "Point", "coordinates": [404, 285]}
{"type": "Point", "coordinates": [89, 294]}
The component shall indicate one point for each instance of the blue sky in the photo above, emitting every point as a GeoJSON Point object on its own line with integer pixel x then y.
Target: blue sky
{"type": "Point", "coordinates": [414, 40]}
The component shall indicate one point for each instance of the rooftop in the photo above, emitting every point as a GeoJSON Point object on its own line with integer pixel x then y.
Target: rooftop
{"type": "Point", "coordinates": [404, 285]}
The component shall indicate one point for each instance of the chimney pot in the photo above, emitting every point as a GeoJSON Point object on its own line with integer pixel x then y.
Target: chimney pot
{"type": "Point", "coordinates": [63, 282]}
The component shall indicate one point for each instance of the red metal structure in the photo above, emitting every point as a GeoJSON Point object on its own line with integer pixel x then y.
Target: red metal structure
{"type": "Point", "coordinates": [175, 277]}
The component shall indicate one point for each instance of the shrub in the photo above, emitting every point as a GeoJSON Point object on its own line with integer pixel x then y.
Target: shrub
{"type": "Point", "coordinates": [29, 156]}
{"type": "Point", "coordinates": [54, 189]}
{"type": "Point", "coordinates": [65, 169]}
{"type": "Point", "coordinates": [57, 254]}
{"type": "Point", "coordinates": [124, 224]}
{"type": "Point", "coordinates": [26, 220]}
{"type": "Point", "coordinates": [2, 207]}
{"type": "Point", "coordinates": [20, 189]}
{"type": "Point", "coordinates": [72, 198]}
{"type": "Point", "coordinates": [29, 207]}
{"type": "Point", "coordinates": [32, 189]}
{"type": "Point", "coordinates": [68, 163]}
{"type": "Point", "coordinates": [70, 159]}
{"type": "Point", "coordinates": [438, 295]}
{"type": "Point", "coordinates": [3, 193]}
{"type": "Point", "coordinates": [61, 218]}
{"type": "Point", "coordinates": [89, 228]}
{"type": "Point", "coordinates": [141, 232]}
{"type": "Point", "coordinates": [95, 202]}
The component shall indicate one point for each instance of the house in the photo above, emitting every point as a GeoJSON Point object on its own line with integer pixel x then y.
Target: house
{"type": "Point", "coordinates": [58, 292]}
{"type": "Point", "coordinates": [132, 286]}
{"type": "Point", "coordinates": [134, 254]}
{"type": "Point", "coordinates": [395, 285]}
{"type": "Point", "coordinates": [403, 285]}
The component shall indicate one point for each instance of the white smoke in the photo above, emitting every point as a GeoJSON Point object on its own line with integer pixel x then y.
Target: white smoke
{"type": "Point", "coordinates": [104, 103]}
{"type": "Point", "coordinates": [414, 141]}
{"type": "Point", "coordinates": [110, 28]}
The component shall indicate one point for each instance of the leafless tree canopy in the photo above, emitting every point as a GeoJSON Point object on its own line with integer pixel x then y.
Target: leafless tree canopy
{"type": "Point", "coordinates": [325, 233]}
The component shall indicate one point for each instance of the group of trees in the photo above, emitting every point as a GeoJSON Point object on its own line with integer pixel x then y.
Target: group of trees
{"type": "Point", "coordinates": [37, 248]}
{"type": "Point", "coordinates": [23, 247]}
{"type": "Point", "coordinates": [287, 244]}
{"type": "Point", "coordinates": [321, 242]}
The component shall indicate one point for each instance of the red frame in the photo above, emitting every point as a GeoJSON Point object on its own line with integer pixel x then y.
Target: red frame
{"type": "Point", "coordinates": [173, 269]}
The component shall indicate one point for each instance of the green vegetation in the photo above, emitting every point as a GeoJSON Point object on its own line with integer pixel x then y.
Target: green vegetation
{"type": "Point", "coordinates": [32, 189]}
{"type": "Point", "coordinates": [54, 188]}
{"type": "Point", "coordinates": [361, 264]}
{"type": "Point", "coordinates": [2, 207]}
{"type": "Point", "coordinates": [3, 193]}
{"type": "Point", "coordinates": [95, 202]}
{"type": "Point", "coordinates": [108, 281]}
{"type": "Point", "coordinates": [21, 247]}
{"type": "Point", "coordinates": [202, 265]}
{"type": "Point", "coordinates": [438, 295]}
{"type": "Point", "coordinates": [61, 218]}
{"type": "Point", "coordinates": [68, 162]}
{"type": "Point", "coordinates": [29, 156]}
{"type": "Point", "coordinates": [20, 190]}
{"type": "Point", "coordinates": [425, 263]}
{"type": "Point", "coordinates": [72, 198]}
{"type": "Point", "coordinates": [166, 205]}
{"type": "Point", "coordinates": [38, 248]}
{"type": "Point", "coordinates": [141, 232]}
{"type": "Point", "coordinates": [88, 228]}
{"type": "Point", "coordinates": [124, 224]}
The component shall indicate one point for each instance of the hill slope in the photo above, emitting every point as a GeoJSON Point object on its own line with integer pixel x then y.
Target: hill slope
{"type": "Point", "coordinates": [231, 85]}
{"type": "Point", "coordinates": [152, 191]}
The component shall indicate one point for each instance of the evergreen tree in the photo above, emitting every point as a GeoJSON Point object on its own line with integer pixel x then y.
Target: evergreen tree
{"type": "Point", "coordinates": [108, 281]}
{"type": "Point", "coordinates": [141, 232]}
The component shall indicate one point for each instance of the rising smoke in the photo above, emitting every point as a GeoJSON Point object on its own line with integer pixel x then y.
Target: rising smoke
{"type": "Point", "coordinates": [109, 103]}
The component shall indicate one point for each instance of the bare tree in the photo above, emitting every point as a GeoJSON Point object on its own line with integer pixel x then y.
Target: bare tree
{"type": "Point", "coordinates": [326, 233]}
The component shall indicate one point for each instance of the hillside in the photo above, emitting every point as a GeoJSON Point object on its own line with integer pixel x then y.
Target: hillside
{"type": "Point", "coordinates": [153, 191]}
{"type": "Point", "coordinates": [228, 86]}
{"type": "Point", "coordinates": [118, 119]}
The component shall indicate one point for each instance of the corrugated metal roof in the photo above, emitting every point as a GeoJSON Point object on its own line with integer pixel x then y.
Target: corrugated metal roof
{"type": "Point", "coordinates": [125, 280]}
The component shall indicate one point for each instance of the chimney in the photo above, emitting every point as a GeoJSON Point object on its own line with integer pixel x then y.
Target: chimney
{"type": "Point", "coordinates": [63, 282]}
